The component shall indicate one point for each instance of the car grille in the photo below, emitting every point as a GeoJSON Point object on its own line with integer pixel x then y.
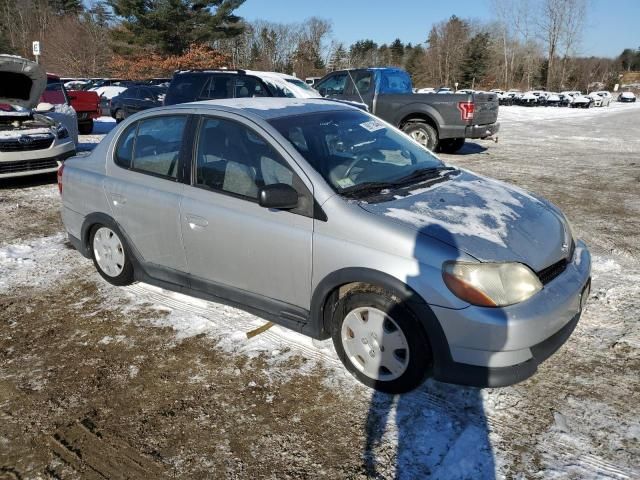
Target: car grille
{"type": "Point", "coordinates": [27, 165]}
{"type": "Point", "coordinates": [26, 143]}
{"type": "Point", "coordinates": [552, 271]}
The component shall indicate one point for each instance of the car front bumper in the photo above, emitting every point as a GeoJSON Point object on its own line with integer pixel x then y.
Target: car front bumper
{"type": "Point", "coordinates": [34, 162]}
{"type": "Point", "coordinates": [491, 347]}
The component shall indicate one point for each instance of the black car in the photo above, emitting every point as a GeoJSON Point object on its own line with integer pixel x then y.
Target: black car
{"type": "Point", "coordinates": [135, 99]}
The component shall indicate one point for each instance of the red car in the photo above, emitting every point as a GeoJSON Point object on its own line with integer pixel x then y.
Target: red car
{"type": "Point", "coordinates": [86, 104]}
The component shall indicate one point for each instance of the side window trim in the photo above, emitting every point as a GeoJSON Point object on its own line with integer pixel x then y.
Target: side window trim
{"type": "Point", "coordinates": [181, 154]}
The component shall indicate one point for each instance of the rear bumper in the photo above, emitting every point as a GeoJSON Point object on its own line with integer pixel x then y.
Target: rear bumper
{"type": "Point", "coordinates": [482, 131]}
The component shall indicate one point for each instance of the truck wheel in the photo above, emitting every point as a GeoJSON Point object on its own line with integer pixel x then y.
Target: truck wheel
{"type": "Point", "coordinates": [110, 256]}
{"type": "Point", "coordinates": [451, 145]}
{"type": "Point", "coordinates": [85, 128]}
{"type": "Point", "coordinates": [423, 133]}
{"type": "Point", "coordinates": [379, 340]}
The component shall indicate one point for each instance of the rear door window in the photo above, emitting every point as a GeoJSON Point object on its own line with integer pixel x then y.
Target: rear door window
{"type": "Point", "coordinates": [152, 146]}
{"type": "Point", "coordinates": [245, 86]}
{"type": "Point", "coordinates": [216, 87]}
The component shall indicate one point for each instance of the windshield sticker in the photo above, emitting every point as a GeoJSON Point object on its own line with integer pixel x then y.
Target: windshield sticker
{"type": "Point", "coordinates": [373, 126]}
{"type": "Point", "coordinates": [345, 182]}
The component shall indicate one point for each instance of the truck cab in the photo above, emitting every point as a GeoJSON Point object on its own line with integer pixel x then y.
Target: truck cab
{"type": "Point", "coordinates": [438, 121]}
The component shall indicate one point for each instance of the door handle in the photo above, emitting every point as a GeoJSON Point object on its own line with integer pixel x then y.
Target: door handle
{"type": "Point", "coordinates": [196, 223]}
{"type": "Point", "coordinates": [118, 200]}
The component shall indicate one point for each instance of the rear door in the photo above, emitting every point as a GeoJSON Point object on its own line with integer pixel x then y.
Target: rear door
{"type": "Point", "coordinates": [231, 241]}
{"type": "Point", "coordinates": [143, 184]}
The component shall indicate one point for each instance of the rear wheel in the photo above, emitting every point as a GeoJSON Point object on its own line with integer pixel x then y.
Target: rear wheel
{"type": "Point", "coordinates": [110, 256]}
{"type": "Point", "coordinates": [422, 133]}
{"type": "Point", "coordinates": [451, 145]}
{"type": "Point", "coordinates": [380, 341]}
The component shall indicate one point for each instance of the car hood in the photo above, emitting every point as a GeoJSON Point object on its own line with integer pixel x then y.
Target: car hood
{"type": "Point", "coordinates": [484, 218]}
{"type": "Point", "coordinates": [21, 81]}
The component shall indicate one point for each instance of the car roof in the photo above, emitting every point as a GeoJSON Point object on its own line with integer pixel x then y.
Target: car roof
{"type": "Point", "coordinates": [271, 107]}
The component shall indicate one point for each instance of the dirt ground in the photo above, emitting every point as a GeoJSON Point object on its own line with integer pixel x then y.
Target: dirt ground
{"type": "Point", "coordinates": [104, 382]}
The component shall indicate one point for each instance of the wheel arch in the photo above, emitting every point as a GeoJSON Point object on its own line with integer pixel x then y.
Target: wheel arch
{"type": "Point", "coordinates": [337, 284]}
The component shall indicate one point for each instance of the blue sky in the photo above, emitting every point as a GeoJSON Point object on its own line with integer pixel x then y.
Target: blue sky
{"type": "Point", "coordinates": [611, 26]}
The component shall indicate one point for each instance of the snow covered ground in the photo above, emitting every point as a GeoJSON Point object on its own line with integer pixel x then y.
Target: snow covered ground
{"type": "Point", "coordinates": [172, 381]}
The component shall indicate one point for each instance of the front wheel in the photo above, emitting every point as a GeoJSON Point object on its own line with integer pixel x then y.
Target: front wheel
{"type": "Point", "coordinates": [451, 145]}
{"type": "Point", "coordinates": [380, 341]}
{"type": "Point", "coordinates": [110, 256]}
{"type": "Point", "coordinates": [422, 133]}
{"type": "Point", "coordinates": [86, 127]}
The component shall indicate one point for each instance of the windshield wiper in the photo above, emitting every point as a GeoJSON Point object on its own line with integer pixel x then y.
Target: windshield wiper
{"type": "Point", "coordinates": [422, 174]}
{"type": "Point", "coordinates": [366, 188]}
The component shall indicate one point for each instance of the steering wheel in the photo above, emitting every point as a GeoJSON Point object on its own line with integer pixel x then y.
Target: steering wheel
{"type": "Point", "coordinates": [355, 162]}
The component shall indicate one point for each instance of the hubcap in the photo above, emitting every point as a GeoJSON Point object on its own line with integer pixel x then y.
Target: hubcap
{"type": "Point", "coordinates": [108, 251]}
{"type": "Point", "coordinates": [375, 344]}
{"type": "Point", "coordinates": [420, 137]}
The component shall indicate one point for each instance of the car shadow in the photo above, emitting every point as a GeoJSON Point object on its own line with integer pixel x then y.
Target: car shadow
{"type": "Point", "coordinates": [471, 148]}
{"type": "Point", "coordinates": [439, 430]}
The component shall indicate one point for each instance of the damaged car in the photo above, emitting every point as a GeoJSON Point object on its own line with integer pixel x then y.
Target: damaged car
{"type": "Point", "coordinates": [34, 137]}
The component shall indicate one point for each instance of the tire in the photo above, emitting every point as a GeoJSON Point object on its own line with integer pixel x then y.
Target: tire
{"type": "Point", "coordinates": [364, 322]}
{"type": "Point", "coordinates": [118, 115]}
{"type": "Point", "coordinates": [85, 128]}
{"type": "Point", "coordinates": [451, 145]}
{"type": "Point", "coordinates": [110, 255]}
{"type": "Point", "coordinates": [423, 133]}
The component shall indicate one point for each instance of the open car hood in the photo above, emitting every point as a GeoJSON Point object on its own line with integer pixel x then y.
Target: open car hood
{"type": "Point", "coordinates": [21, 81]}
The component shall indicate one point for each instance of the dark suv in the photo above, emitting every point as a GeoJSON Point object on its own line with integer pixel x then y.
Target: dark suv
{"type": "Point", "coordinates": [194, 85]}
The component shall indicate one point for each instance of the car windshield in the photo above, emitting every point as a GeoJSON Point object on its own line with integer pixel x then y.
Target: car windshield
{"type": "Point", "coordinates": [356, 153]}
{"type": "Point", "coordinates": [300, 83]}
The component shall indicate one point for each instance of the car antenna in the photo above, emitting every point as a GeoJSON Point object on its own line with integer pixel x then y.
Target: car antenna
{"type": "Point", "coordinates": [356, 86]}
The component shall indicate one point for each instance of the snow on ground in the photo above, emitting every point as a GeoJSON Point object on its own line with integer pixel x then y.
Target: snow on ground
{"type": "Point", "coordinates": [101, 126]}
{"type": "Point", "coordinates": [577, 418]}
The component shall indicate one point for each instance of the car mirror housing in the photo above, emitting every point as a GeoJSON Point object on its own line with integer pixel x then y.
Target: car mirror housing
{"type": "Point", "coordinates": [278, 195]}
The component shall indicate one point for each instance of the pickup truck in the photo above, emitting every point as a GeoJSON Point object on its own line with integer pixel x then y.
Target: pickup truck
{"type": "Point", "coordinates": [85, 103]}
{"type": "Point", "coordinates": [438, 121]}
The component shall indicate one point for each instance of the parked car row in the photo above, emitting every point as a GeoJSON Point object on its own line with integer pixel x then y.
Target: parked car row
{"type": "Point", "coordinates": [573, 99]}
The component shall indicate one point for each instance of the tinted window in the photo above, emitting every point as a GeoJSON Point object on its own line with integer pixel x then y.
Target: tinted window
{"type": "Point", "coordinates": [217, 86]}
{"type": "Point", "coordinates": [157, 145]}
{"type": "Point", "coordinates": [363, 82]}
{"type": "Point", "coordinates": [232, 158]}
{"type": "Point", "coordinates": [124, 150]}
{"type": "Point", "coordinates": [54, 93]}
{"type": "Point", "coordinates": [334, 85]}
{"type": "Point", "coordinates": [130, 93]}
{"type": "Point", "coordinates": [185, 87]}
{"type": "Point", "coordinates": [244, 87]}
{"type": "Point", "coordinates": [395, 81]}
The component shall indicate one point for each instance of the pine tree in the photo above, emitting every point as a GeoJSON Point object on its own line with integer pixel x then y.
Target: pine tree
{"type": "Point", "coordinates": [476, 60]}
{"type": "Point", "coordinates": [397, 52]}
{"type": "Point", "coordinates": [170, 26]}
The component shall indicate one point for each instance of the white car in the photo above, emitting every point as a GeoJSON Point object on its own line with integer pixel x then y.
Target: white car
{"type": "Point", "coordinates": [108, 91]}
{"type": "Point", "coordinates": [426, 90]}
{"type": "Point", "coordinates": [30, 141]}
{"type": "Point", "coordinates": [599, 100]}
{"type": "Point", "coordinates": [468, 91]}
{"type": "Point", "coordinates": [286, 85]}
{"type": "Point", "coordinates": [627, 97]}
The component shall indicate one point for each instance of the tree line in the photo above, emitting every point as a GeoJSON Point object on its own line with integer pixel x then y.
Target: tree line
{"type": "Point", "coordinates": [529, 43]}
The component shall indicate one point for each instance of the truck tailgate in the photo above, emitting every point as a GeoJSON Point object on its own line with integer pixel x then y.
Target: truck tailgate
{"type": "Point", "coordinates": [486, 108]}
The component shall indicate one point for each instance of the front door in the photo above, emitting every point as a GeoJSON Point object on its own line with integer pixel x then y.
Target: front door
{"type": "Point", "coordinates": [232, 242]}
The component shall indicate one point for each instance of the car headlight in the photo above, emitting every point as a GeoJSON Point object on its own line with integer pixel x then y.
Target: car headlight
{"type": "Point", "coordinates": [490, 284]}
{"type": "Point", "coordinates": [62, 132]}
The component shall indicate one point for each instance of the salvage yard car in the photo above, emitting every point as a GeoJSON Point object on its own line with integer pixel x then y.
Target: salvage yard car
{"type": "Point", "coordinates": [440, 121]}
{"type": "Point", "coordinates": [628, 97]}
{"type": "Point", "coordinates": [136, 99]}
{"type": "Point", "coordinates": [31, 142]}
{"type": "Point", "coordinates": [329, 221]}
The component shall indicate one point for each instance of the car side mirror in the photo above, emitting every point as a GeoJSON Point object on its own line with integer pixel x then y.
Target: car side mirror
{"type": "Point", "coordinates": [278, 195]}
{"type": "Point", "coordinates": [322, 91]}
